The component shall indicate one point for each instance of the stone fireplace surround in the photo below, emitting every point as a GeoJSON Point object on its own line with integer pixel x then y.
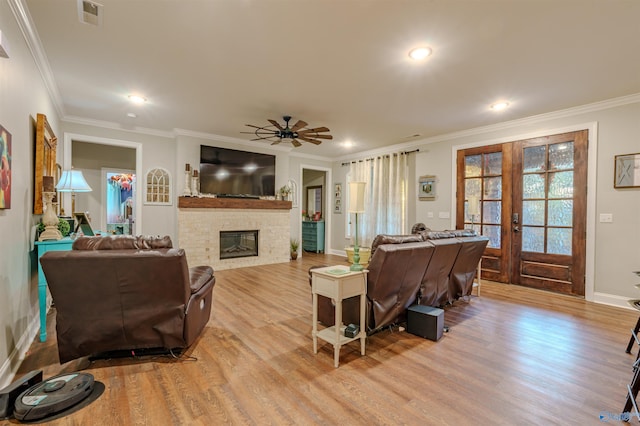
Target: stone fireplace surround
{"type": "Point", "coordinates": [200, 221]}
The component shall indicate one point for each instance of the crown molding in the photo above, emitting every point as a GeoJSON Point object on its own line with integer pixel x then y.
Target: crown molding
{"type": "Point", "coordinates": [116, 126]}
{"type": "Point", "coordinates": [23, 18]}
{"type": "Point", "coordinates": [532, 120]}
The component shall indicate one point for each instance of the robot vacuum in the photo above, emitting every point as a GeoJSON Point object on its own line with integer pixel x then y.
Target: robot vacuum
{"type": "Point", "coordinates": [52, 396]}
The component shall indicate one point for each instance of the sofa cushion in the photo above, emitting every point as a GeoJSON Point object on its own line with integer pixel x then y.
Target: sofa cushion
{"type": "Point", "coordinates": [437, 235]}
{"type": "Point", "coordinates": [122, 242]}
{"type": "Point", "coordinates": [463, 232]}
{"type": "Point", "coordinates": [394, 239]}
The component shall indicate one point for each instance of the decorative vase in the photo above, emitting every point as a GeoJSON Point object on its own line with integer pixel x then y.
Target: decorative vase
{"type": "Point", "coordinates": [187, 184]}
{"type": "Point", "coordinates": [294, 255]}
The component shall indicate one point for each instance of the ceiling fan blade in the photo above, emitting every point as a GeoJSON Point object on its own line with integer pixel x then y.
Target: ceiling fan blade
{"type": "Point", "coordinates": [299, 125]}
{"type": "Point", "coordinates": [314, 135]}
{"type": "Point", "coordinates": [313, 141]}
{"type": "Point", "coordinates": [276, 142]}
{"type": "Point", "coordinates": [317, 129]}
{"type": "Point", "coordinates": [251, 125]}
{"type": "Point", "coordinates": [262, 138]}
{"type": "Point", "coordinates": [275, 123]}
{"type": "Point", "coordinates": [295, 143]}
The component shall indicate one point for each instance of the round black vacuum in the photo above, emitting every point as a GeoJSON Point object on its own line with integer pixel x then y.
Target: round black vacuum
{"type": "Point", "coordinates": [53, 395]}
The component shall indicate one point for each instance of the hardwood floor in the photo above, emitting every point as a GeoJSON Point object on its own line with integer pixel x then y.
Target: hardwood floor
{"type": "Point", "coordinates": [512, 356]}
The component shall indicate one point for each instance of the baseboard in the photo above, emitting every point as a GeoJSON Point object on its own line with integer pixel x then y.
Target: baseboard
{"type": "Point", "coordinates": [338, 252]}
{"type": "Point", "coordinates": [11, 365]}
{"type": "Point", "coordinates": [611, 300]}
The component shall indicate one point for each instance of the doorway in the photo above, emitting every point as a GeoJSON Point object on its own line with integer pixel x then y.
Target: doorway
{"type": "Point", "coordinates": [315, 209]}
{"type": "Point", "coordinates": [529, 198]}
{"type": "Point", "coordinates": [92, 164]}
{"type": "Point", "coordinates": [118, 195]}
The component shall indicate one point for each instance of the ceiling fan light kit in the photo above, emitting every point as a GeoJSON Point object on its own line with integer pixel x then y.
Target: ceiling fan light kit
{"type": "Point", "coordinates": [276, 133]}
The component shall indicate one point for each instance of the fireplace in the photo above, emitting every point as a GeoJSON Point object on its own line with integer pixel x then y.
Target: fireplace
{"type": "Point", "coordinates": [238, 244]}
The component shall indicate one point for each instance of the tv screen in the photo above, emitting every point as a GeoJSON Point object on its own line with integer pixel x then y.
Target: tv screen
{"type": "Point", "coordinates": [233, 172]}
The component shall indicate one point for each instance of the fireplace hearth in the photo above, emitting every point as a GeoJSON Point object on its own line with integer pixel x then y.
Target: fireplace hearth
{"type": "Point", "coordinates": [234, 244]}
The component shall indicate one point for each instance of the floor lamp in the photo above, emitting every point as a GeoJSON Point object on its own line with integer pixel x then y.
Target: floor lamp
{"type": "Point", "coordinates": [356, 205]}
{"type": "Point", "coordinates": [73, 181]}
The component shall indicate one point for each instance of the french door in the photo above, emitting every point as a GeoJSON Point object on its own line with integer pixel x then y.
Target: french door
{"type": "Point", "coordinates": [529, 198]}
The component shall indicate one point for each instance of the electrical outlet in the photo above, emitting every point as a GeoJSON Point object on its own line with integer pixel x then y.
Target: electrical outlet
{"type": "Point", "coordinates": [606, 218]}
{"type": "Point", "coordinates": [430, 215]}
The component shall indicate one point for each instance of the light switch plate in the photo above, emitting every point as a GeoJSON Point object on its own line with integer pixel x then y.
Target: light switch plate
{"type": "Point", "coordinates": [430, 215]}
{"type": "Point", "coordinates": [606, 218]}
{"type": "Point", "coordinates": [443, 215]}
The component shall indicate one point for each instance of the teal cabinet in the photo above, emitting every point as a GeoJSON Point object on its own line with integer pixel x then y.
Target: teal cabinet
{"type": "Point", "coordinates": [313, 236]}
{"type": "Point", "coordinates": [43, 247]}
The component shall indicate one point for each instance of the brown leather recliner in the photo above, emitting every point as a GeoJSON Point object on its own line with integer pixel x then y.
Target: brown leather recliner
{"type": "Point", "coordinates": [123, 292]}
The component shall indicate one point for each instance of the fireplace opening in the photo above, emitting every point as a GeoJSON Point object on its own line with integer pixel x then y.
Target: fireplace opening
{"type": "Point", "coordinates": [238, 244]}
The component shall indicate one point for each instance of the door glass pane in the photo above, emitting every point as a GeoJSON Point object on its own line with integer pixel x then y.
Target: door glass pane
{"type": "Point", "coordinates": [491, 212]}
{"type": "Point", "coordinates": [560, 213]}
{"type": "Point", "coordinates": [561, 185]}
{"type": "Point", "coordinates": [559, 241]}
{"type": "Point", "coordinates": [493, 233]}
{"type": "Point", "coordinates": [472, 187]}
{"type": "Point", "coordinates": [533, 212]}
{"type": "Point", "coordinates": [533, 239]}
{"type": "Point", "coordinates": [533, 186]}
{"type": "Point", "coordinates": [493, 163]}
{"type": "Point", "coordinates": [473, 165]}
{"type": "Point", "coordinates": [534, 159]}
{"type": "Point", "coordinates": [561, 156]}
{"type": "Point", "coordinates": [493, 188]}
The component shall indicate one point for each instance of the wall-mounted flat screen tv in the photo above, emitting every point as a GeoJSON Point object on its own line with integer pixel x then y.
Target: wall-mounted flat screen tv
{"type": "Point", "coordinates": [226, 171]}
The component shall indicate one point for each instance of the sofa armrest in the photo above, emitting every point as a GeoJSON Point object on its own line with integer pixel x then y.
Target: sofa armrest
{"type": "Point", "coordinates": [199, 276]}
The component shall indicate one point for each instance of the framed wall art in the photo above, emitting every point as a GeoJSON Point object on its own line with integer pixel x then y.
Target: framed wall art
{"type": "Point", "coordinates": [337, 197]}
{"type": "Point", "coordinates": [427, 188]}
{"type": "Point", "coordinates": [5, 169]}
{"type": "Point", "coordinates": [45, 162]}
{"type": "Point", "coordinates": [627, 171]}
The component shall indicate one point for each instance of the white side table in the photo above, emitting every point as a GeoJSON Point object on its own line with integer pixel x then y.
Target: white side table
{"type": "Point", "coordinates": [338, 283]}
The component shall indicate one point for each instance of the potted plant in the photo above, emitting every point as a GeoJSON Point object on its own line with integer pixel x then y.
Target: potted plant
{"type": "Point", "coordinates": [293, 245]}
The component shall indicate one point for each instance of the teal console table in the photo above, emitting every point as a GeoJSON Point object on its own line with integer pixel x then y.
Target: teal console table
{"type": "Point", "coordinates": [43, 247]}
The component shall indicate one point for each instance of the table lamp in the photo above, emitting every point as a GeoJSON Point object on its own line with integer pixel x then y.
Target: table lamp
{"type": "Point", "coordinates": [73, 181]}
{"type": "Point", "coordinates": [356, 205]}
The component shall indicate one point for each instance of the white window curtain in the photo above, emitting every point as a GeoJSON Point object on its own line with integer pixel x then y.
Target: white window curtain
{"type": "Point", "coordinates": [385, 196]}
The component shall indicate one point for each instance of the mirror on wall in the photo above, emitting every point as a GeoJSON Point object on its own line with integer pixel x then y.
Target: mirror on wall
{"type": "Point", "coordinates": [314, 200]}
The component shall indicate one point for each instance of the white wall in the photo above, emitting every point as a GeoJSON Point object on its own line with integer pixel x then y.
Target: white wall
{"type": "Point", "coordinates": [617, 251]}
{"type": "Point", "coordinates": [22, 96]}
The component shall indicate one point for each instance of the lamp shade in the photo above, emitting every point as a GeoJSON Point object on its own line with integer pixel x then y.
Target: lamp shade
{"type": "Point", "coordinates": [356, 197]}
{"type": "Point", "coordinates": [73, 181]}
{"type": "Point", "coordinates": [473, 209]}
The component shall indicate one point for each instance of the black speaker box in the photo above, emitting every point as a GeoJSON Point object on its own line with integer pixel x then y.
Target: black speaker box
{"type": "Point", "coordinates": [425, 321]}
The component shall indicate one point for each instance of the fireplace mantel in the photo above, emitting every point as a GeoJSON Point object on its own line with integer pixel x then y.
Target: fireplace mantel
{"type": "Point", "coordinates": [232, 203]}
{"type": "Point", "coordinates": [200, 221]}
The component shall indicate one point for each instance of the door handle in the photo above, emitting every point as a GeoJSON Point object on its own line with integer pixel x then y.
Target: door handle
{"type": "Point", "coordinates": [516, 229]}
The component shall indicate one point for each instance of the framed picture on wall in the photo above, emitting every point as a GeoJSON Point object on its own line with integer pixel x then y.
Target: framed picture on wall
{"type": "Point", "coordinates": [427, 188]}
{"type": "Point", "coordinates": [337, 196]}
{"type": "Point", "coordinates": [627, 171]}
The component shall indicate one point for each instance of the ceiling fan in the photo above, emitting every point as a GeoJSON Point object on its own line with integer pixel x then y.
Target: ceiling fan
{"type": "Point", "coordinates": [276, 133]}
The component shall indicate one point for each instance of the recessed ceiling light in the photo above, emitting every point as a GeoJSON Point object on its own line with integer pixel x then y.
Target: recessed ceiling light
{"type": "Point", "coordinates": [347, 144]}
{"type": "Point", "coordinates": [499, 106]}
{"type": "Point", "coordinates": [419, 53]}
{"type": "Point", "coordinates": [131, 115]}
{"type": "Point", "coordinates": [137, 99]}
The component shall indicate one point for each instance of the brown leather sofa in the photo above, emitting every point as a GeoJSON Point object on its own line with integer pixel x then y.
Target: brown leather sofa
{"type": "Point", "coordinates": [125, 292]}
{"type": "Point", "coordinates": [427, 267]}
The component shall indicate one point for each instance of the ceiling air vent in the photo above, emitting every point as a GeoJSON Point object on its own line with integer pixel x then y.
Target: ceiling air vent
{"type": "Point", "coordinates": [90, 12]}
